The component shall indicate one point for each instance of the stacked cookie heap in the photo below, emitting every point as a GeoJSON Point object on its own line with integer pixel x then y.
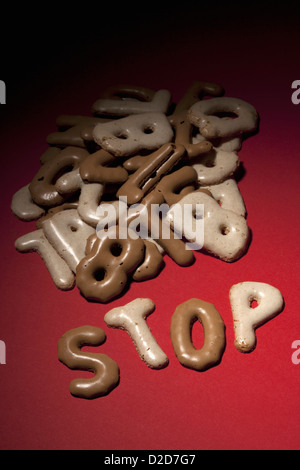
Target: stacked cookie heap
{"type": "Point", "coordinates": [137, 150]}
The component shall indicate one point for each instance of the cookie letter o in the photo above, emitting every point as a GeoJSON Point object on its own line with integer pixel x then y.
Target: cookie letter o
{"type": "Point", "coordinates": [182, 321]}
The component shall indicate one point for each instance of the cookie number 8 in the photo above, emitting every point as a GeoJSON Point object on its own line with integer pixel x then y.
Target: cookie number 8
{"type": "Point", "coordinates": [103, 273]}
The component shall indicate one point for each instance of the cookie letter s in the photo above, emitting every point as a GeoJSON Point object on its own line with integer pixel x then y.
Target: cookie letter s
{"type": "Point", "coordinates": [106, 370]}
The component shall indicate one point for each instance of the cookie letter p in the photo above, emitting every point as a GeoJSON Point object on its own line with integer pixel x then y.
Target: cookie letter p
{"type": "Point", "coordinates": [246, 318]}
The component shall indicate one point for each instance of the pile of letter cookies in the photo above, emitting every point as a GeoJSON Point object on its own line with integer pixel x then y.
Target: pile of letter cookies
{"type": "Point", "coordinates": [101, 173]}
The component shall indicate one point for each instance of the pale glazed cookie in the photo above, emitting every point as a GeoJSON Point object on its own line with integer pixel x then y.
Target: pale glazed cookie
{"type": "Point", "coordinates": [227, 144]}
{"type": "Point", "coordinates": [215, 166]}
{"type": "Point", "coordinates": [204, 115]}
{"type": "Point", "coordinates": [126, 136]}
{"type": "Point", "coordinates": [185, 315]}
{"type": "Point", "coordinates": [245, 318]}
{"type": "Point", "coordinates": [23, 207]}
{"type": "Point", "coordinates": [67, 233]}
{"type": "Point", "coordinates": [108, 213]}
{"type": "Point", "coordinates": [132, 318]}
{"type": "Point", "coordinates": [60, 272]}
{"type": "Point", "coordinates": [106, 370]}
{"type": "Point", "coordinates": [220, 163]}
{"type": "Point", "coordinates": [69, 182]}
{"type": "Point", "coordinates": [89, 200]}
{"type": "Point", "coordinates": [89, 197]}
{"type": "Point", "coordinates": [70, 130]}
{"type": "Point", "coordinates": [226, 234]}
{"type": "Point", "coordinates": [123, 107]}
{"type": "Point", "coordinates": [53, 210]}
{"type": "Point", "coordinates": [228, 195]}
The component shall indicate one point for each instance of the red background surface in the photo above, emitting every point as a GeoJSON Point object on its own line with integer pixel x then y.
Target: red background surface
{"type": "Point", "coordinates": [248, 401]}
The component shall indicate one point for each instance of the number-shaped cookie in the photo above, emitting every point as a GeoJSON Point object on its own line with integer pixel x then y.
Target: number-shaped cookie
{"type": "Point", "coordinates": [104, 272]}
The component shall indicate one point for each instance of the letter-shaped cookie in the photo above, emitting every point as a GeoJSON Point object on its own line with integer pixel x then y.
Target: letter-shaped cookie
{"type": "Point", "coordinates": [204, 115]}
{"type": "Point", "coordinates": [88, 203]}
{"type": "Point", "coordinates": [70, 130]}
{"type": "Point", "coordinates": [60, 272]}
{"type": "Point", "coordinates": [69, 183]}
{"type": "Point", "coordinates": [123, 107]}
{"type": "Point", "coordinates": [161, 232]}
{"type": "Point", "coordinates": [180, 122]}
{"type": "Point", "coordinates": [177, 184]}
{"type": "Point", "coordinates": [42, 187]}
{"type": "Point", "coordinates": [89, 198]}
{"type": "Point", "coordinates": [67, 232]}
{"type": "Point", "coordinates": [147, 176]}
{"type": "Point", "coordinates": [215, 166]}
{"type": "Point", "coordinates": [126, 136]}
{"type": "Point", "coordinates": [226, 234]}
{"type": "Point", "coordinates": [185, 315]}
{"type": "Point", "coordinates": [228, 195]}
{"type": "Point", "coordinates": [246, 318]}
{"type": "Point", "coordinates": [132, 318]}
{"type": "Point", "coordinates": [126, 92]}
{"type": "Point", "coordinates": [94, 169]}
{"type": "Point", "coordinates": [228, 144]}
{"type": "Point", "coordinates": [53, 210]}
{"type": "Point", "coordinates": [23, 207]}
{"type": "Point", "coordinates": [152, 263]}
{"type": "Point", "coordinates": [106, 370]}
